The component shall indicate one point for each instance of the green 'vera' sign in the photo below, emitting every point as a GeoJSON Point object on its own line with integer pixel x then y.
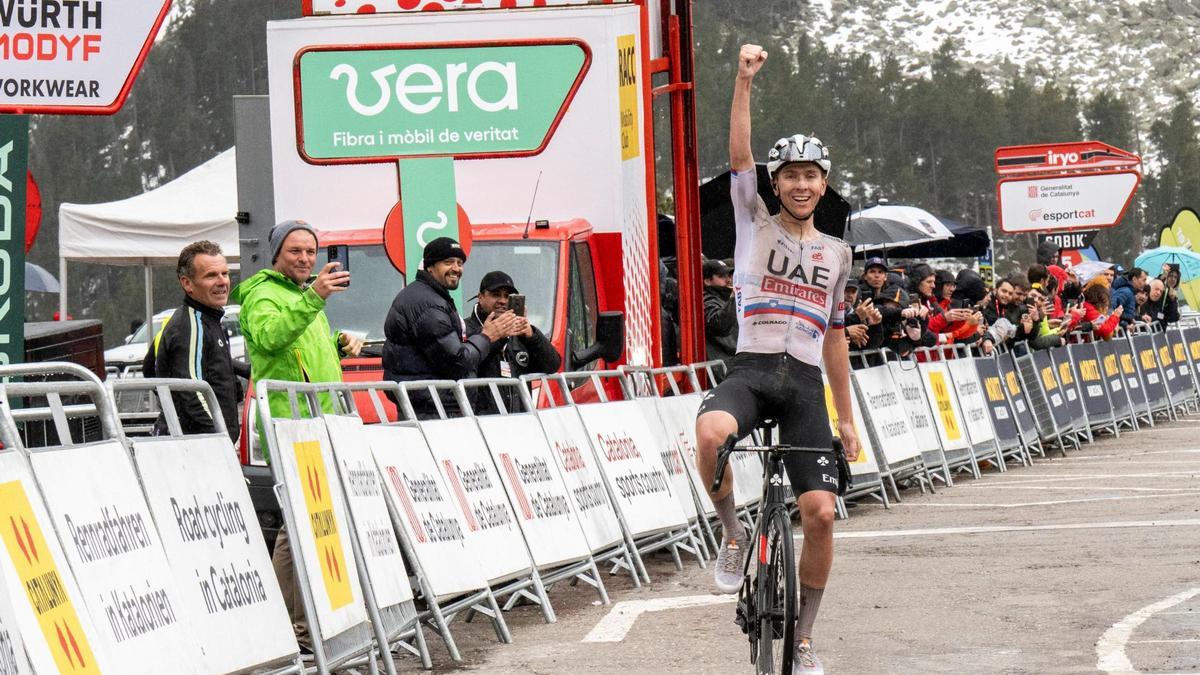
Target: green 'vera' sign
{"type": "Point", "coordinates": [383, 103]}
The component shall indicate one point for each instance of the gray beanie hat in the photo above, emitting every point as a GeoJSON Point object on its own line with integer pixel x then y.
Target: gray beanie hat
{"type": "Point", "coordinates": [281, 232]}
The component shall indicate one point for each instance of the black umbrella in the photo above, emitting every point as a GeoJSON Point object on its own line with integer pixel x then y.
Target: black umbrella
{"type": "Point", "coordinates": [969, 241]}
{"type": "Point", "coordinates": [716, 212]}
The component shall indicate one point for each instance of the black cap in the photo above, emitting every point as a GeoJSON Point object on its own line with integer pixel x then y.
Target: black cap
{"type": "Point", "coordinates": [875, 262]}
{"type": "Point", "coordinates": [713, 267]}
{"type": "Point", "coordinates": [441, 248]}
{"type": "Point", "coordinates": [494, 281]}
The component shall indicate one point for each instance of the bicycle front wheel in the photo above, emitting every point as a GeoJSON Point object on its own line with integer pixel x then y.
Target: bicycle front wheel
{"type": "Point", "coordinates": [776, 594]}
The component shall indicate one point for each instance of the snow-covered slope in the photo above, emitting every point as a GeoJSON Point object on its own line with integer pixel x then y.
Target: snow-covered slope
{"type": "Point", "coordinates": [1142, 49]}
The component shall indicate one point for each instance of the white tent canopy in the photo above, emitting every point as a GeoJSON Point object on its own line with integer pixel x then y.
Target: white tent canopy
{"type": "Point", "coordinates": [151, 228]}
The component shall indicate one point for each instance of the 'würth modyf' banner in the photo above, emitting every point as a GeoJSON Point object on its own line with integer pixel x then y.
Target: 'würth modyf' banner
{"type": "Point", "coordinates": [73, 56]}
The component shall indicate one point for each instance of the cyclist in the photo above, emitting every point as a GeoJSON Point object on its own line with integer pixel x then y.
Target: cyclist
{"type": "Point", "coordinates": [788, 285]}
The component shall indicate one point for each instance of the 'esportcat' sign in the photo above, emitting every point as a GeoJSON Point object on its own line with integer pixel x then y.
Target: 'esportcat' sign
{"type": "Point", "coordinates": [1065, 202]}
{"type": "Point", "coordinates": [73, 56]}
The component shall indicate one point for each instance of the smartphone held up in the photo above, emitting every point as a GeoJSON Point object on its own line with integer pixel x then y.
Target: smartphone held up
{"type": "Point", "coordinates": [340, 253]}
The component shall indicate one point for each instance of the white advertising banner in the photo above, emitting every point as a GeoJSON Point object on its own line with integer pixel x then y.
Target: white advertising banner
{"type": "Point", "coordinates": [422, 505]}
{"type": "Point", "coordinates": [916, 406]}
{"type": "Point", "coordinates": [1067, 202]}
{"type": "Point", "coordinates": [215, 547]}
{"type": "Point", "coordinates": [74, 56]}
{"type": "Point", "coordinates": [626, 450]}
{"type": "Point", "coordinates": [569, 444]}
{"type": "Point", "coordinates": [886, 414]}
{"type": "Point", "coordinates": [322, 533]}
{"type": "Point", "coordinates": [947, 415]}
{"type": "Point", "coordinates": [44, 617]}
{"type": "Point", "coordinates": [493, 534]}
{"type": "Point", "coordinates": [972, 400]}
{"type": "Point", "coordinates": [113, 547]}
{"type": "Point", "coordinates": [678, 415]}
{"type": "Point", "coordinates": [364, 494]}
{"type": "Point", "coordinates": [669, 455]}
{"type": "Point", "coordinates": [535, 488]}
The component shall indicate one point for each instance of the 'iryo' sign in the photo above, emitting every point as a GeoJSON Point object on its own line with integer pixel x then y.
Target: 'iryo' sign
{"type": "Point", "coordinates": [381, 103]}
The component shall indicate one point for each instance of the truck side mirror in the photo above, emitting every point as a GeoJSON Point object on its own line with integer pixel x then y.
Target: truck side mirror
{"type": "Point", "coordinates": [610, 340]}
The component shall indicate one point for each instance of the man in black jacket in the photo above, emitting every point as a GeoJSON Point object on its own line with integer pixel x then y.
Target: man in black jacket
{"type": "Point", "coordinates": [720, 312]}
{"type": "Point", "coordinates": [529, 351]}
{"type": "Point", "coordinates": [194, 344]}
{"type": "Point", "coordinates": [427, 339]}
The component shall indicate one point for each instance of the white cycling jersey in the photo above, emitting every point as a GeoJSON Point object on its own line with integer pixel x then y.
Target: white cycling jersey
{"type": "Point", "coordinates": [789, 291]}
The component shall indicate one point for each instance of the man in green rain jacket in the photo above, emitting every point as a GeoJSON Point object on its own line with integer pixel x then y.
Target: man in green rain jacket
{"type": "Point", "coordinates": [288, 338]}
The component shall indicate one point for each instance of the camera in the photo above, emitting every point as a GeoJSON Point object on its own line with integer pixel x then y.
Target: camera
{"type": "Point", "coordinates": [912, 322]}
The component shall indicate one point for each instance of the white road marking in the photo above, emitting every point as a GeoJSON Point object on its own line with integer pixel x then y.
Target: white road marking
{"type": "Point", "coordinates": [1090, 458]}
{"type": "Point", "coordinates": [616, 624]}
{"type": "Point", "coordinates": [1110, 649]}
{"type": "Point", "coordinates": [1053, 502]}
{"type": "Point", "coordinates": [1058, 478]}
{"type": "Point", "coordinates": [993, 529]}
{"type": "Point", "coordinates": [1083, 487]}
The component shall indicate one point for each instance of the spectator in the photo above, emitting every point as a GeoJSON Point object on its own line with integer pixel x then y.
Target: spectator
{"type": "Point", "coordinates": [288, 338]}
{"type": "Point", "coordinates": [1047, 331]}
{"type": "Point", "coordinates": [1070, 289]}
{"type": "Point", "coordinates": [859, 321]}
{"type": "Point", "coordinates": [944, 286]}
{"type": "Point", "coordinates": [1000, 305]}
{"type": "Point", "coordinates": [1140, 301]}
{"type": "Point", "coordinates": [1020, 284]}
{"type": "Point", "coordinates": [914, 330]}
{"type": "Point", "coordinates": [922, 285]}
{"type": "Point", "coordinates": [888, 299]}
{"type": "Point", "coordinates": [193, 344]}
{"type": "Point", "coordinates": [1047, 254]}
{"type": "Point", "coordinates": [720, 312]}
{"type": "Point", "coordinates": [962, 321]}
{"type": "Point", "coordinates": [1037, 275]}
{"type": "Point", "coordinates": [969, 290]}
{"type": "Point", "coordinates": [529, 351]}
{"type": "Point", "coordinates": [425, 337]}
{"type": "Point", "coordinates": [1123, 290]}
{"type": "Point", "coordinates": [668, 293]}
{"type": "Point", "coordinates": [1096, 298]}
{"type": "Point", "coordinates": [1170, 278]}
{"type": "Point", "coordinates": [1161, 308]}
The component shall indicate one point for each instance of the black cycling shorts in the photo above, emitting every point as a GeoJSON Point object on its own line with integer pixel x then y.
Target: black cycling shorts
{"type": "Point", "coordinates": [779, 387]}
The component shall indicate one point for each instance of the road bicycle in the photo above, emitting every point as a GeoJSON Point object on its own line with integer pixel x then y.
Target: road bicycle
{"type": "Point", "coordinates": [766, 606]}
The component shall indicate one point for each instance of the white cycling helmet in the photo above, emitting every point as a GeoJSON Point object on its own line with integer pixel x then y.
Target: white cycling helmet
{"type": "Point", "coordinates": [798, 148]}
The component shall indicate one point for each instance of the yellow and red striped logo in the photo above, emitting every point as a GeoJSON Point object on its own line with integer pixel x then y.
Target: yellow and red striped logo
{"type": "Point", "coordinates": [42, 582]}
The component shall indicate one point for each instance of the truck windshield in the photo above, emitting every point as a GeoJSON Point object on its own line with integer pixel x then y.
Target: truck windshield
{"type": "Point", "coordinates": [533, 266]}
{"type": "Point", "coordinates": [375, 283]}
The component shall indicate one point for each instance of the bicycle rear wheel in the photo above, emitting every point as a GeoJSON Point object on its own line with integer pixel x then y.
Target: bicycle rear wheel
{"type": "Point", "coordinates": [776, 594]}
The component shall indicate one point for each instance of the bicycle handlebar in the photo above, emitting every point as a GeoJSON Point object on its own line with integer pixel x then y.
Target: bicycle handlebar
{"type": "Point", "coordinates": [730, 446]}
